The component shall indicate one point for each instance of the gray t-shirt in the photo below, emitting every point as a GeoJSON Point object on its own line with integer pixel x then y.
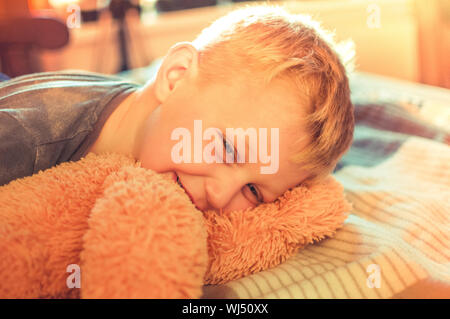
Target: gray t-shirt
{"type": "Point", "coordinates": [53, 117]}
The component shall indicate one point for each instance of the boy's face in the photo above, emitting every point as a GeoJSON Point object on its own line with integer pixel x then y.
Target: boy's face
{"type": "Point", "coordinates": [228, 186]}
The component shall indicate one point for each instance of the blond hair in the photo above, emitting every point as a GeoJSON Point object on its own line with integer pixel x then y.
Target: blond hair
{"type": "Point", "coordinates": [261, 42]}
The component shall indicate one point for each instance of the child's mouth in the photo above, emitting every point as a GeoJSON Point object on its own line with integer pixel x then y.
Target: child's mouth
{"type": "Point", "coordinates": [178, 181]}
{"type": "Point", "coordinates": [181, 185]}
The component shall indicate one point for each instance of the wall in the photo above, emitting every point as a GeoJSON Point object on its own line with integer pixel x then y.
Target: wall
{"type": "Point", "coordinates": [392, 49]}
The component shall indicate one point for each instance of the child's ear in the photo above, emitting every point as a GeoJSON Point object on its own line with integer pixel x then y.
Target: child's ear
{"type": "Point", "coordinates": [181, 61]}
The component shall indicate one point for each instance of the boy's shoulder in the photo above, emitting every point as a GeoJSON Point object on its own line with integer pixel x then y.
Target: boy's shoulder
{"type": "Point", "coordinates": [59, 101]}
{"type": "Point", "coordinates": [58, 110]}
{"type": "Point", "coordinates": [67, 77]}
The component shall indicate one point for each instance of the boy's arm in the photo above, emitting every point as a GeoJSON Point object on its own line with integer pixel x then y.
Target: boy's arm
{"type": "Point", "coordinates": [17, 149]}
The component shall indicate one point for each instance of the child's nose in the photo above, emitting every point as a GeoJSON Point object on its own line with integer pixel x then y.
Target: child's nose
{"type": "Point", "coordinates": [220, 192]}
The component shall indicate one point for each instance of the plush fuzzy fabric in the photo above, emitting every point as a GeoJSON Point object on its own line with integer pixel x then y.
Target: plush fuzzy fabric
{"type": "Point", "coordinates": [135, 234]}
{"type": "Point", "coordinates": [244, 242]}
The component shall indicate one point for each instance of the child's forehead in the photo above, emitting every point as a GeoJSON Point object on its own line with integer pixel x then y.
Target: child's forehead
{"type": "Point", "coordinates": [259, 124]}
{"type": "Point", "coordinates": [273, 102]}
{"type": "Point", "coordinates": [242, 104]}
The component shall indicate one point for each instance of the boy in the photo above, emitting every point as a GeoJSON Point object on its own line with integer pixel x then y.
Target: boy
{"type": "Point", "coordinates": [257, 67]}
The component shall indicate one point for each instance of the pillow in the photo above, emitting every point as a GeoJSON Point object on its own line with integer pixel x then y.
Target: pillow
{"type": "Point", "coordinates": [244, 242]}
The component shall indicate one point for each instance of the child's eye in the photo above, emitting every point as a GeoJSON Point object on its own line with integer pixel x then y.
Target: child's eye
{"type": "Point", "coordinates": [228, 147]}
{"type": "Point", "coordinates": [229, 150]}
{"type": "Point", "coordinates": [257, 194]}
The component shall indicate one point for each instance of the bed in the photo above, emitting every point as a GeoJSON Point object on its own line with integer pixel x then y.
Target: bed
{"type": "Point", "coordinates": [396, 241]}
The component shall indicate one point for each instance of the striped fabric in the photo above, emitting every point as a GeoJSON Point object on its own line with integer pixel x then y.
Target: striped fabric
{"type": "Point", "coordinates": [397, 176]}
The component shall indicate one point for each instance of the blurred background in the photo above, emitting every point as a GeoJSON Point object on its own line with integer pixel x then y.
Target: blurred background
{"type": "Point", "coordinates": [403, 39]}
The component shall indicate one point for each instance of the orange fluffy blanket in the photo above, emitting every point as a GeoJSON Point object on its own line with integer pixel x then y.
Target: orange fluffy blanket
{"type": "Point", "coordinates": [104, 227]}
